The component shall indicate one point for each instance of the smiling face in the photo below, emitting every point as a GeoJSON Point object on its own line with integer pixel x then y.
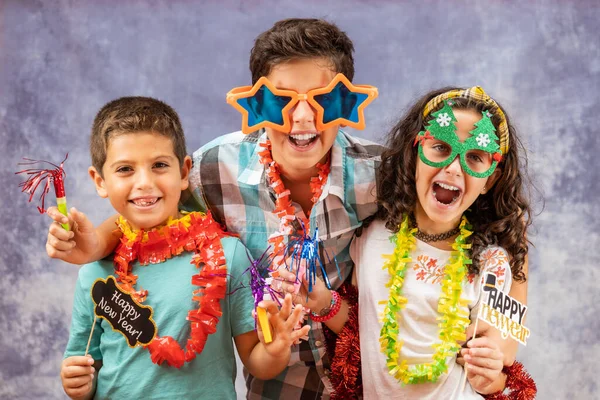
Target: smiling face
{"type": "Point", "coordinates": [444, 194]}
{"type": "Point", "coordinates": [298, 152]}
{"type": "Point", "coordinates": [142, 178]}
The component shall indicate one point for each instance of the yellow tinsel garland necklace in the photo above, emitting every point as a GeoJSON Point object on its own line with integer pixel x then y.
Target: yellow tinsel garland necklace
{"type": "Point", "coordinates": [453, 320]}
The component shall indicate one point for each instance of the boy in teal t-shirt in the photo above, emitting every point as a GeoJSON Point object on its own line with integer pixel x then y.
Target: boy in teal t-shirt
{"type": "Point", "coordinates": [184, 266]}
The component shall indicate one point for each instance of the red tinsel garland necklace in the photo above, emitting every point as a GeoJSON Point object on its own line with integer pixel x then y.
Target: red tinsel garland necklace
{"type": "Point", "coordinates": [195, 232]}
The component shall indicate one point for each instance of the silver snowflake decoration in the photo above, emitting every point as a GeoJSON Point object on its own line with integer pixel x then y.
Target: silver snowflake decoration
{"type": "Point", "coordinates": [443, 119]}
{"type": "Point", "coordinates": [483, 139]}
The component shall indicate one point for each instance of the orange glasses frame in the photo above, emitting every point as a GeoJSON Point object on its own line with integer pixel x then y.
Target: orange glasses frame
{"type": "Point", "coordinates": [248, 91]}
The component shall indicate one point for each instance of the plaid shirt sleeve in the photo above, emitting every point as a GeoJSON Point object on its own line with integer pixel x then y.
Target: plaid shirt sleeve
{"type": "Point", "coordinates": [228, 179]}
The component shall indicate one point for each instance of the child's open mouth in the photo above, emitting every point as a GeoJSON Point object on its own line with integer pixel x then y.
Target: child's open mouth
{"type": "Point", "coordinates": [445, 194]}
{"type": "Point", "coordinates": [303, 139]}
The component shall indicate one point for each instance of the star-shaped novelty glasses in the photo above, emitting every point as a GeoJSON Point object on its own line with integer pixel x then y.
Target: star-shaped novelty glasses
{"type": "Point", "coordinates": [339, 103]}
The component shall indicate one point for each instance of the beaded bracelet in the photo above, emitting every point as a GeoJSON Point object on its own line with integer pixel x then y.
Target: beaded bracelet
{"type": "Point", "coordinates": [334, 308]}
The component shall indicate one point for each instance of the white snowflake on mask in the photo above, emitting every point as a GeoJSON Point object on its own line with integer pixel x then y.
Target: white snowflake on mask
{"type": "Point", "coordinates": [443, 119]}
{"type": "Point", "coordinates": [483, 140]}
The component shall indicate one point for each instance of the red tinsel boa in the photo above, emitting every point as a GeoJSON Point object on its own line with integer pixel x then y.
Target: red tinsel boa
{"type": "Point", "coordinates": [194, 232]}
{"type": "Point", "coordinates": [519, 383]}
{"type": "Point", "coordinates": [344, 349]}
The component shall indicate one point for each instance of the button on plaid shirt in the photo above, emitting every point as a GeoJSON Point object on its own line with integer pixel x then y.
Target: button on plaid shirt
{"type": "Point", "coordinates": [228, 179]}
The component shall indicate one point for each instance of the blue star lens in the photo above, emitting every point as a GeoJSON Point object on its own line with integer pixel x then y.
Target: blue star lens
{"type": "Point", "coordinates": [264, 106]}
{"type": "Point", "coordinates": [340, 103]}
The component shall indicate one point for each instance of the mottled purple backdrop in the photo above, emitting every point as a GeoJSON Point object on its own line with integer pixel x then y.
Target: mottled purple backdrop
{"type": "Point", "coordinates": [61, 61]}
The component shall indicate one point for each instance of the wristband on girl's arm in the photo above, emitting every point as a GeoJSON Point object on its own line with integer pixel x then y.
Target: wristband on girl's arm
{"type": "Point", "coordinates": [334, 308]}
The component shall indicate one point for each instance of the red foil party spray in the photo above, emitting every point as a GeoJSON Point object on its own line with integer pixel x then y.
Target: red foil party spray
{"type": "Point", "coordinates": [37, 177]}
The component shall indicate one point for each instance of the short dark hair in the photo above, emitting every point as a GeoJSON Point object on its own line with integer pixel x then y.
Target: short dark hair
{"type": "Point", "coordinates": [296, 38]}
{"type": "Point", "coordinates": [131, 115]}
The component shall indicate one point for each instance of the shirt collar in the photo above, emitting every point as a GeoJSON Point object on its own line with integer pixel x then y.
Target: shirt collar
{"type": "Point", "coordinates": [335, 183]}
{"type": "Point", "coordinates": [253, 172]}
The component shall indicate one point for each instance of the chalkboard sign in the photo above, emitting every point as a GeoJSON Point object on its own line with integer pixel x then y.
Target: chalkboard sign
{"type": "Point", "coordinates": [123, 313]}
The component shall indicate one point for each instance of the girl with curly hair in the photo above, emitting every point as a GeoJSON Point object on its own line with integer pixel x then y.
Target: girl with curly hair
{"type": "Point", "coordinates": [453, 206]}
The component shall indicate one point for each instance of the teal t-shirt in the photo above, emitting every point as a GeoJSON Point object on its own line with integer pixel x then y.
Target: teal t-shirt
{"type": "Point", "coordinates": [128, 373]}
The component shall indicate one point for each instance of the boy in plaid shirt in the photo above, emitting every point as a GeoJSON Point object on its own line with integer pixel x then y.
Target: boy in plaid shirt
{"type": "Point", "coordinates": [294, 149]}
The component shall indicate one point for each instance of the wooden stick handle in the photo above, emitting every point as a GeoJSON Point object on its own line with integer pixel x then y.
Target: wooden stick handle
{"type": "Point", "coordinates": [90, 338]}
{"type": "Point", "coordinates": [464, 383]}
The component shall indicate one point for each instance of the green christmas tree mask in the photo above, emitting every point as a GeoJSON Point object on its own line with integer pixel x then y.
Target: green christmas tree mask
{"type": "Point", "coordinates": [439, 145]}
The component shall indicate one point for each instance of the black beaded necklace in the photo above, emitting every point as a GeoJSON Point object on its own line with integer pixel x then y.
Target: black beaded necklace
{"type": "Point", "coordinates": [427, 238]}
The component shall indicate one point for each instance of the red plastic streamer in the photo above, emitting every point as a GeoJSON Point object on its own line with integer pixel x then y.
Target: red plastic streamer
{"type": "Point", "coordinates": [37, 177]}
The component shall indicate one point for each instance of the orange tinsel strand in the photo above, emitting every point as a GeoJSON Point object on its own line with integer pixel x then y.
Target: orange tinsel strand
{"type": "Point", "coordinates": [284, 209]}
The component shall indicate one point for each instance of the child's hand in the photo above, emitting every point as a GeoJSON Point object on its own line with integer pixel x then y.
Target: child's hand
{"type": "Point", "coordinates": [319, 297]}
{"type": "Point", "coordinates": [507, 345]}
{"type": "Point", "coordinates": [282, 323]}
{"type": "Point", "coordinates": [75, 246]}
{"type": "Point", "coordinates": [484, 359]}
{"type": "Point", "coordinates": [77, 376]}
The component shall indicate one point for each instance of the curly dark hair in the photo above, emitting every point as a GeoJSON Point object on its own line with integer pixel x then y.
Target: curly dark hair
{"type": "Point", "coordinates": [501, 216]}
